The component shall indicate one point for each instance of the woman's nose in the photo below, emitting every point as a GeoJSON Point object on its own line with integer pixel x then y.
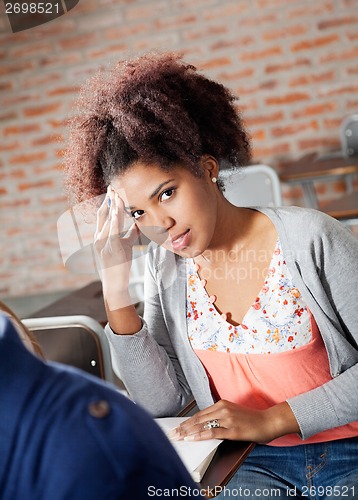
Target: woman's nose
{"type": "Point", "coordinates": [159, 227]}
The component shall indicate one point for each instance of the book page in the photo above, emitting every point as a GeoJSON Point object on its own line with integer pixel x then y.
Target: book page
{"type": "Point", "coordinates": [192, 453]}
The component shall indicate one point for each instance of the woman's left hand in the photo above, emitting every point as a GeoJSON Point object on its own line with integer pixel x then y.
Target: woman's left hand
{"type": "Point", "coordinates": [225, 420]}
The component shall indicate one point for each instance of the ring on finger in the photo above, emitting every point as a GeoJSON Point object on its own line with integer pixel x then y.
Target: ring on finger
{"type": "Point", "coordinates": [211, 424]}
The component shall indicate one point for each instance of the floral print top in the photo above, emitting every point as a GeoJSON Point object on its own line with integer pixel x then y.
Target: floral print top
{"type": "Point", "coordinates": [277, 321]}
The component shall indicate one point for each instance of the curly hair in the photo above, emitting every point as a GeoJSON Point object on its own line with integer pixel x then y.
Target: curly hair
{"type": "Point", "coordinates": [154, 108]}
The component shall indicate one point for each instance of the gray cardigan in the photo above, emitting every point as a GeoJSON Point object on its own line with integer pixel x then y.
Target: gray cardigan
{"type": "Point", "coordinates": [162, 372]}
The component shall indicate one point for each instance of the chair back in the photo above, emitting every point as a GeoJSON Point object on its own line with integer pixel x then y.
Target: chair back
{"type": "Point", "coordinates": [349, 136]}
{"type": "Point", "coordinates": [76, 340]}
{"type": "Point", "coordinates": [254, 185]}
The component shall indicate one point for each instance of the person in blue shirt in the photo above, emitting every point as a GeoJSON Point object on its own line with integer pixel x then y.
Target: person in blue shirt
{"type": "Point", "coordinates": [66, 435]}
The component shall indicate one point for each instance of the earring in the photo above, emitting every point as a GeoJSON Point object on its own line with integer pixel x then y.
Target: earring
{"type": "Point", "coordinates": [213, 179]}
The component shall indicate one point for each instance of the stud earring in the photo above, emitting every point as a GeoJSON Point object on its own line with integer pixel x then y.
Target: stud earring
{"type": "Point", "coordinates": [213, 179]}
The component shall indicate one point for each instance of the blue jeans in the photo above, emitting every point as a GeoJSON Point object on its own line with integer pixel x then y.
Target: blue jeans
{"type": "Point", "coordinates": [315, 472]}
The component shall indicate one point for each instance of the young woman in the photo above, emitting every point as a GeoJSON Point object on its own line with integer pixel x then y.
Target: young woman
{"type": "Point", "coordinates": [251, 311]}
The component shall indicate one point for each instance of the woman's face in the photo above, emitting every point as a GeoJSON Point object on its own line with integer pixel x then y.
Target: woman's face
{"type": "Point", "coordinates": [175, 209]}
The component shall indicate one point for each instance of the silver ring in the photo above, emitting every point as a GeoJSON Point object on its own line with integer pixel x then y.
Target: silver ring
{"type": "Point", "coordinates": [212, 424]}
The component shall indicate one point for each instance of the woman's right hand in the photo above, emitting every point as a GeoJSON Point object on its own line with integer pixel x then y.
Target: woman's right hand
{"type": "Point", "coordinates": [113, 251]}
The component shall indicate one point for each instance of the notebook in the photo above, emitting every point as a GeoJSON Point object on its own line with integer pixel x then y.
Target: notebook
{"type": "Point", "coordinates": [196, 455]}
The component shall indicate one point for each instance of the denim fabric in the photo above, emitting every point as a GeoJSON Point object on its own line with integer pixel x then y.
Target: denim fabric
{"type": "Point", "coordinates": [315, 472]}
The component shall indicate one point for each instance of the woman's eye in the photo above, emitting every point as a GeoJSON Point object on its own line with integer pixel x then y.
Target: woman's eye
{"type": "Point", "coordinates": [136, 214]}
{"type": "Point", "coordinates": [166, 194]}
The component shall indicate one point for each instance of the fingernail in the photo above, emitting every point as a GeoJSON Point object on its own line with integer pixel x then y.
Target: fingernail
{"type": "Point", "coordinates": [190, 438]}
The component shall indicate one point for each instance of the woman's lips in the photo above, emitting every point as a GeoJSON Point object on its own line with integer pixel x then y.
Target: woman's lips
{"type": "Point", "coordinates": [181, 241]}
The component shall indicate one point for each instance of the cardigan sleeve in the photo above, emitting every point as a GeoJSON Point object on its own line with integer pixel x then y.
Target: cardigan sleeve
{"type": "Point", "coordinates": [328, 267]}
{"type": "Point", "coordinates": [146, 361]}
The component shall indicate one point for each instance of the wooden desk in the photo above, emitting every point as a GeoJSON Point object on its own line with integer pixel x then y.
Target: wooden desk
{"type": "Point", "coordinates": [227, 459]}
{"type": "Point", "coordinates": [312, 168]}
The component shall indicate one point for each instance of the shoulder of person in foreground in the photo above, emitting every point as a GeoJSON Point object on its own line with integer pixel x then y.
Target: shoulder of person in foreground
{"type": "Point", "coordinates": [67, 435]}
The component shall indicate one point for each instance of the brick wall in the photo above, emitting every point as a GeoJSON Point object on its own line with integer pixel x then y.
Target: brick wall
{"type": "Point", "coordinates": [294, 65]}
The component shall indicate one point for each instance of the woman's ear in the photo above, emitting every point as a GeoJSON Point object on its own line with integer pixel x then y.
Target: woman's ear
{"type": "Point", "coordinates": [210, 167]}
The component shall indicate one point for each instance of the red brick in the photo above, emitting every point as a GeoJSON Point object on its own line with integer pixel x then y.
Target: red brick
{"type": "Point", "coordinates": [152, 10]}
{"type": "Point", "coordinates": [21, 202]}
{"type": "Point", "coordinates": [232, 42]}
{"type": "Point", "coordinates": [236, 75]}
{"type": "Point", "coordinates": [34, 185]}
{"type": "Point", "coordinates": [233, 9]}
{"type": "Point", "coordinates": [71, 89]}
{"type": "Point", "coordinates": [251, 120]}
{"type": "Point", "coordinates": [21, 129]}
{"type": "Point", "coordinates": [31, 49]}
{"type": "Point", "coordinates": [6, 86]}
{"type": "Point", "coordinates": [259, 20]}
{"type": "Point", "coordinates": [43, 79]}
{"type": "Point", "coordinates": [27, 158]}
{"type": "Point", "coordinates": [339, 186]}
{"type": "Point", "coordinates": [340, 56]}
{"type": "Point", "coordinates": [287, 65]}
{"type": "Point", "coordinates": [332, 123]}
{"type": "Point", "coordinates": [13, 174]}
{"type": "Point", "coordinates": [258, 135]}
{"type": "Point", "coordinates": [353, 70]}
{"type": "Point", "coordinates": [58, 123]}
{"type": "Point", "coordinates": [320, 142]}
{"type": "Point", "coordinates": [174, 22]}
{"type": "Point", "coordinates": [314, 43]}
{"type": "Point", "coordinates": [124, 31]}
{"type": "Point", "coordinates": [292, 192]}
{"type": "Point", "coordinates": [253, 89]}
{"type": "Point", "coordinates": [350, 104]}
{"type": "Point", "coordinates": [315, 109]}
{"type": "Point", "coordinates": [288, 98]}
{"type": "Point", "coordinates": [42, 110]}
{"type": "Point", "coordinates": [116, 49]}
{"type": "Point", "coordinates": [53, 168]}
{"type": "Point", "coordinates": [64, 26]}
{"type": "Point", "coordinates": [337, 22]}
{"type": "Point", "coordinates": [47, 139]}
{"type": "Point", "coordinates": [317, 8]}
{"type": "Point", "coordinates": [309, 79]}
{"type": "Point", "coordinates": [3, 191]}
{"type": "Point", "coordinates": [196, 34]}
{"type": "Point", "coordinates": [352, 37]}
{"type": "Point", "coordinates": [270, 151]}
{"type": "Point", "coordinates": [338, 90]}
{"type": "Point", "coordinates": [56, 200]}
{"type": "Point", "coordinates": [65, 59]}
{"type": "Point", "coordinates": [215, 63]}
{"type": "Point", "coordinates": [273, 3]}
{"type": "Point", "coordinates": [294, 128]}
{"type": "Point", "coordinates": [247, 105]}
{"type": "Point", "coordinates": [6, 117]}
{"type": "Point", "coordinates": [321, 188]}
{"type": "Point", "coordinates": [287, 31]}
{"type": "Point", "coordinates": [10, 69]}
{"type": "Point", "coordinates": [78, 41]}
{"type": "Point", "coordinates": [261, 54]}
{"type": "Point", "coordinates": [17, 99]}
{"type": "Point", "coordinates": [9, 147]}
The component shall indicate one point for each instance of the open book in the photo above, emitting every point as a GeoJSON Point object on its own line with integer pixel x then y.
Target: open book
{"type": "Point", "coordinates": [196, 455]}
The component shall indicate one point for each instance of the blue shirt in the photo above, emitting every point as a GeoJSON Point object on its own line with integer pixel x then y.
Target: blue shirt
{"type": "Point", "coordinates": [66, 435]}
